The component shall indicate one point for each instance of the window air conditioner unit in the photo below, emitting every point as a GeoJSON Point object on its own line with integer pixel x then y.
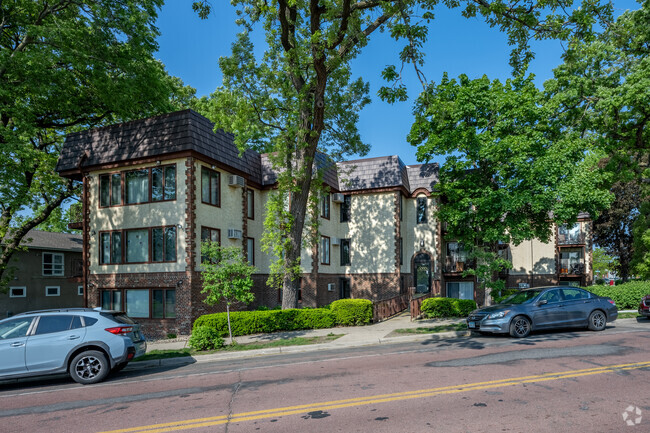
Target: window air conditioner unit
{"type": "Point", "coordinates": [331, 287]}
{"type": "Point", "coordinates": [336, 241]}
{"type": "Point", "coordinates": [234, 234]}
{"type": "Point", "coordinates": [337, 197]}
{"type": "Point", "coordinates": [236, 181]}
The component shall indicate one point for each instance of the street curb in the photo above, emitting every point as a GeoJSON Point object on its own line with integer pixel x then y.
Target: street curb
{"type": "Point", "coordinates": [185, 360]}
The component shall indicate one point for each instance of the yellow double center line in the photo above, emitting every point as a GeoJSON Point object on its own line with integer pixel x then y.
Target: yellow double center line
{"type": "Point", "coordinates": [383, 398]}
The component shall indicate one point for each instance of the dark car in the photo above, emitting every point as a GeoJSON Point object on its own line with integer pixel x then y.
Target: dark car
{"type": "Point", "coordinates": [87, 344]}
{"type": "Point", "coordinates": [644, 306]}
{"type": "Point", "coordinates": [544, 308]}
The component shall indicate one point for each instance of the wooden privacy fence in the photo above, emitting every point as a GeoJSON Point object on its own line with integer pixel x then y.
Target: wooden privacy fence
{"type": "Point", "coordinates": [382, 310]}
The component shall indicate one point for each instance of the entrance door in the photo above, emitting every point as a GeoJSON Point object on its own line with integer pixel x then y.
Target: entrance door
{"type": "Point", "coordinates": [422, 265]}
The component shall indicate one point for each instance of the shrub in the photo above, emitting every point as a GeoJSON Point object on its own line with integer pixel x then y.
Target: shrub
{"type": "Point", "coordinates": [256, 322]}
{"type": "Point", "coordinates": [447, 307]}
{"type": "Point", "coordinates": [437, 307]}
{"type": "Point", "coordinates": [349, 312]}
{"type": "Point", "coordinates": [205, 338]}
{"type": "Point", "coordinates": [627, 296]}
{"type": "Point", "coordinates": [464, 307]}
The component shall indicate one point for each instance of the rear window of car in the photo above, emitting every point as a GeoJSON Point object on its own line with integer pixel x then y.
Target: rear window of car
{"type": "Point", "coordinates": [120, 318]}
{"type": "Point", "coordinates": [90, 321]}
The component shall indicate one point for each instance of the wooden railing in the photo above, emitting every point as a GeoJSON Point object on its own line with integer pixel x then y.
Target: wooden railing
{"type": "Point", "coordinates": [416, 303]}
{"type": "Point", "coordinates": [382, 310]}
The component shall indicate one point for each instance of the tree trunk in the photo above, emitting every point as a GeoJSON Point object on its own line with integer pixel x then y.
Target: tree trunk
{"type": "Point", "coordinates": [228, 315]}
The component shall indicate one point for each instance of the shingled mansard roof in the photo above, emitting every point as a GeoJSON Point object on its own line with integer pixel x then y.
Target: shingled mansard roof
{"type": "Point", "coordinates": [185, 131]}
{"type": "Point", "coordinates": [52, 241]}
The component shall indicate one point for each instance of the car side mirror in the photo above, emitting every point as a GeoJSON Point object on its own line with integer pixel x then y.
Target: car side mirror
{"type": "Point", "coordinates": [542, 302]}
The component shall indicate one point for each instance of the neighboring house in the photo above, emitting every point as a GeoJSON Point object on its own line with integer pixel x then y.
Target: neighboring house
{"type": "Point", "coordinates": [48, 274]}
{"type": "Point", "coordinates": [154, 188]}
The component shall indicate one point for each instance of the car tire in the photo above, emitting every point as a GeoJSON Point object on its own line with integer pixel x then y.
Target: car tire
{"type": "Point", "coordinates": [520, 327]}
{"type": "Point", "coordinates": [89, 367]}
{"type": "Point", "coordinates": [597, 321]}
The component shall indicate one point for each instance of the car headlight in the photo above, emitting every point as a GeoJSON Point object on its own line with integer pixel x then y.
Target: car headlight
{"type": "Point", "coordinates": [498, 315]}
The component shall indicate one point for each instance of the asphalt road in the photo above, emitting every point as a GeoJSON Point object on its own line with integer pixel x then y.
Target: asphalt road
{"type": "Point", "coordinates": [557, 382]}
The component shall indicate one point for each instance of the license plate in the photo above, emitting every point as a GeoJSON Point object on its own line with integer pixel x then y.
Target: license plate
{"type": "Point", "coordinates": [471, 324]}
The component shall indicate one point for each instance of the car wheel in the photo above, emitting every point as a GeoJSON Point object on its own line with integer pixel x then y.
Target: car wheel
{"type": "Point", "coordinates": [520, 327]}
{"type": "Point", "coordinates": [89, 367]}
{"type": "Point", "coordinates": [597, 320]}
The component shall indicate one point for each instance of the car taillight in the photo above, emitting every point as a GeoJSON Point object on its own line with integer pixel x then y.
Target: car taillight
{"type": "Point", "coordinates": [611, 302]}
{"type": "Point", "coordinates": [120, 330]}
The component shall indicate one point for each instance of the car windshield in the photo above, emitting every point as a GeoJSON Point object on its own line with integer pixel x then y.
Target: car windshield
{"type": "Point", "coordinates": [521, 297]}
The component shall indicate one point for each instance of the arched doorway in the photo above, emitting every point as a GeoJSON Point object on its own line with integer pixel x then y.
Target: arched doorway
{"type": "Point", "coordinates": [422, 266]}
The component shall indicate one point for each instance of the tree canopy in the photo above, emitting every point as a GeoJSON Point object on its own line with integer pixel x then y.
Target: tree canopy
{"type": "Point", "coordinates": [512, 166]}
{"type": "Point", "coordinates": [65, 66]}
{"type": "Point", "coordinates": [300, 96]}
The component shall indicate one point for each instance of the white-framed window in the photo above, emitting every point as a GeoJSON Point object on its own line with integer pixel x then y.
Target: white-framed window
{"type": "Point", "coordinates": [53, 264]}
{"type": "Point", "coordinates": [80, 290]}
{"type": "Point", "coordinates": [17, 292]}
{"type": "Point", "coordinates": [52, 291]}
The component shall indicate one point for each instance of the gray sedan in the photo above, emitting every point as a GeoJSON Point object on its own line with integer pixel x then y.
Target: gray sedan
{"type": "Point", "coordinates": [544, 308]}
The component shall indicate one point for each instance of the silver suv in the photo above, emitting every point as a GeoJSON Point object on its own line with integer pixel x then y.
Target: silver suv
{"type": "Point", "coordinates": [85, 343]}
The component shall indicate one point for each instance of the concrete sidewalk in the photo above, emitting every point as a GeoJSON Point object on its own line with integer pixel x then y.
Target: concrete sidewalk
{"type": "Point", "coordinates": [353, 336]}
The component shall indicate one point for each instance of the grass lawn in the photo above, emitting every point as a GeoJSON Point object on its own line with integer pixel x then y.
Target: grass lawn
{"type": "Point", "coordinates": [297, 341]}
{"type": "Point", "coordinates": [432, 329]}
{"type": "Point", "coordinates": [630, 316]}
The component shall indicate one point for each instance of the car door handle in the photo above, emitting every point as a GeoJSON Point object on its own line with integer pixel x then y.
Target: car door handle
{"type": "Point", "coordinates": [74, 337]}
{"type": "Point", "coordinates": [17, 344]}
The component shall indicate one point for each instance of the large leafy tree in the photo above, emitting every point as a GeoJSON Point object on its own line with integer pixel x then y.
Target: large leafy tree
{"type": "Point", "coordinates": [511, 167]}
{"type": "Point", "coordinates": [300, 96]}
{"type": "Point", "coordinates": [603, 89]}
{"type": "Point", "coordinates": [64, 66]}
{"type": "Point", "coordinates": [613, 229]}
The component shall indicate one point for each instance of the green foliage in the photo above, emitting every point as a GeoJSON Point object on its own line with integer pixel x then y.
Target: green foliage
{"type": "Point", "coordinates": [641, 231]}
{"type": "Point", "coordinates": [205, 338]}
{"type": "Point", "coordinates": [352, 311]}
{"type": "Point", "coordinates": [464, 306]}
{"type": "Point", "coordinates": [603, 262]}
{"type": "Point", "coordinates": [226, 274]}
{"type": "Point", "coordinates": [487, 264]}
{"type": "Point", "coordinates": [612, 230]}
{"type": "Point", "coordinates": [510, 161]}
{"type": "Point", "coordinates": [255, 322]}
{"type": "Point", "coordinates": [67, 66]}
{"type": "Point", "coordinates": [447, 307]}
{"type": "Point", "coordinates": [627, 295]}
{"type": "Point", "coordinates": [437, 307]}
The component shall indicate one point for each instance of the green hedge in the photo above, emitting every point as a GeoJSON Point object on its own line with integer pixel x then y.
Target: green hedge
{"type": "Point", "coordinates": [257, 322]}
{"type": "Point", "coordinates": [627, 296]}
{"type": "Point", "coordinates": [447, 307]}
{"type": "Point", "coordinates": [348, 312]}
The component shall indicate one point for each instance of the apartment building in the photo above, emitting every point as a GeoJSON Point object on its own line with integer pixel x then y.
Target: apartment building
{"type": "Point", "coordinates": [154, 188]}
{"type": "Point", "coordinates": [47, 273]}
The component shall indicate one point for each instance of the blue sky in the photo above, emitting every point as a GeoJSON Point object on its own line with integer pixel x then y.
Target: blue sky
{"type": "Point", "coordinates": [190, 49]}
